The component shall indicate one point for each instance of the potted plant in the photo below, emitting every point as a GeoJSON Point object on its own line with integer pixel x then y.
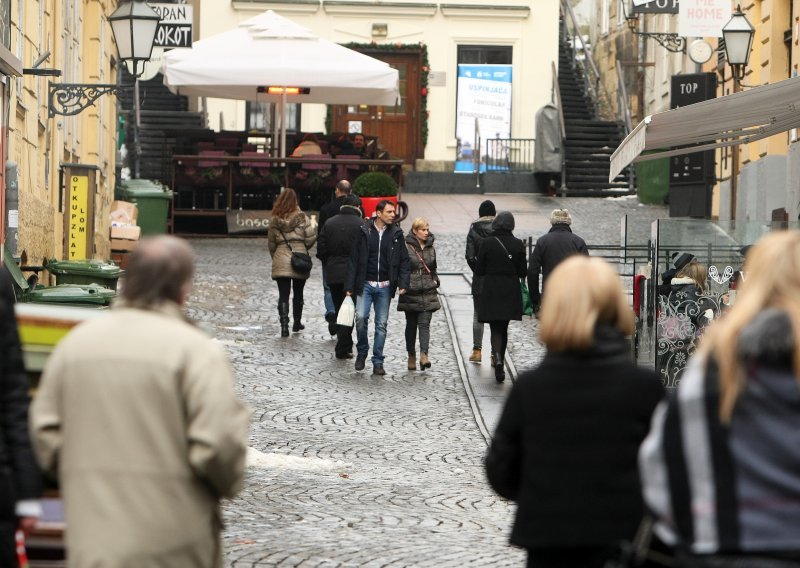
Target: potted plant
{"type": "Point", "coordinates": [373, 187]}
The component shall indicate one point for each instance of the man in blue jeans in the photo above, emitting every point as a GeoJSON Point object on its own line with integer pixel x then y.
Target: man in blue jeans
{"type": "Point", "coordinates": [378, 267]}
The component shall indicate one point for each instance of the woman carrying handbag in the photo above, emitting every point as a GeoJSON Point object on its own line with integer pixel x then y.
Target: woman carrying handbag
{"type": "Point", "coordinates": [291, 234]}
{"type": "Point", "coordinates": [421, 298]}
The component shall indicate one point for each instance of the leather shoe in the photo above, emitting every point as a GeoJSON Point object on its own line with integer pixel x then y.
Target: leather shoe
{"type": "Point", "coordinates": [360, 363]}
{"type": "Point", "coordinates": [378, 370]}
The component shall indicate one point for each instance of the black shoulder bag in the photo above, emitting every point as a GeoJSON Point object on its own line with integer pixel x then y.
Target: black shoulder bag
{"type": "Point", "coordinates": [301, 261]}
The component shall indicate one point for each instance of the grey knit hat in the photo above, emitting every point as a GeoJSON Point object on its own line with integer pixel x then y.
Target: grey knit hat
{"type": "Point", "coordinates": [560, 216]}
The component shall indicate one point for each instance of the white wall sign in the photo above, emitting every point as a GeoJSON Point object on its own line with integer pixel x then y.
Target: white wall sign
{"type": "Point", "coordinates": [175, 27]}
{"type": "Point", "coordinates": [703, 18]}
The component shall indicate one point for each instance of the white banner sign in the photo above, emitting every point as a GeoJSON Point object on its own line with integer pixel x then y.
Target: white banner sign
{"type": "Point", "coordinates": [484, 96]}
{"type": "Point", "coordinates": [703, 18]}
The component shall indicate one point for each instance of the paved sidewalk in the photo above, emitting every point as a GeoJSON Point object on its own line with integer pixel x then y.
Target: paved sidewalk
{"type": "Point", "coordinates": [354, 470]}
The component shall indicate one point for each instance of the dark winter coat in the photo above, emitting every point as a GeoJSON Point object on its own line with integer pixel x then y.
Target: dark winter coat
{"type": "Point", "coordinates": [399, 269]}
{"type": "Point", "coordinates": [685, 298]}
{"type": "Point", "coordinates": [19, 474]}
{"type": "Point", "coordinates": [559, 243]}
{"type": "Point", "coordinates": [421, 294]}
{"type": "Point", "coordinates": [566, 446]}
{"type": "Point", "coordinates": [335, 243]}
{"type": "Point", "coordinates": [328, 211]}
{"type": "Point", "coordinates": [299, 233]}
{"type": "Point", "coordinates": [478, 231]}
{"type": "Point", "coordinates": [500, 298]}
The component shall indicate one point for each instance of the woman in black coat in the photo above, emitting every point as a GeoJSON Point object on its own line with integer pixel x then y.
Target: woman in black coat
{"type": "Point", "coordinates": [566, 445]}
{"type": "Point", "coordinates": [19, 474]}
{"type": "Point", "coordinates": [501, 264]}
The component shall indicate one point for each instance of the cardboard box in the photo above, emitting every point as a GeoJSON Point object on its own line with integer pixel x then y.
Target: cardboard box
{"type": "Point", "coordinates": [121, 258]}
{"type": "Point", "coordinates": [130, 232]}
{"type": "Point", "coordinates": [124, 212]}
{"type": "Point", "coordinates": [125, 245]}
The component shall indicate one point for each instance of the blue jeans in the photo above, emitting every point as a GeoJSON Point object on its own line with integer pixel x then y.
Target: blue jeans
{"type": "Point", "coordinates": [329, 307]}
{"type": "Point", "coordinates": [381, 297]}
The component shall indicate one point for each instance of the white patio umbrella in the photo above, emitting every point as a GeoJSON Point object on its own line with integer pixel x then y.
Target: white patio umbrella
{"type": "Point", "coordinates": [272, 51]}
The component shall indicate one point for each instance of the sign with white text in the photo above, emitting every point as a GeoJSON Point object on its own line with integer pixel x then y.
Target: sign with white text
{"type": "Point", "coordinates": [175, 27]}
{"type": "Point", "coordinates": [703, 18]}
{"type": "Point", "coordinates": [483, 109]}
{"type": "Point", "coordinates": [656, 7]}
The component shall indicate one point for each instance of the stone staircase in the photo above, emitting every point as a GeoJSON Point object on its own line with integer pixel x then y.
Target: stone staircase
{"type": "Point", "coordinates": [590, 141]}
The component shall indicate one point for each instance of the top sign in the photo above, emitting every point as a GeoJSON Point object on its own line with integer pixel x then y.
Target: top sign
{"type": "Point", "coordinates": [655, 6]}
{"type": "Point", "coordinates": [703, 18]}
{"type": "Point", "coordinates": [175, 27]}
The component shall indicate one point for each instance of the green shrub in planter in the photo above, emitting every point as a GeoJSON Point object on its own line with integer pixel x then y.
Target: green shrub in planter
{"type": "Point", "coordinates": [374, 184]}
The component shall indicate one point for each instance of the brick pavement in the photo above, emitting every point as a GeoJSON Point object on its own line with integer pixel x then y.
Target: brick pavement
{"type": "Point", "coordinates": [385, 471]}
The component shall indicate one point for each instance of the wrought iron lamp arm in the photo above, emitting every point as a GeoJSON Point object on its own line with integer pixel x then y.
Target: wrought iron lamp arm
{"type": "Point", "coordinates": [669, 41]}
{"type": "Point", "coordinates": [69, 99]}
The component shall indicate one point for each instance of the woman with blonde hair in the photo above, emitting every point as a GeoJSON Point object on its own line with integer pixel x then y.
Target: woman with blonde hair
{"type": "Point", "coordinates": [566, 445]}
{"type": "Point", "coordinates": [290, 231]}
{"type": "Point", "coordinates": [421, 299]}
{"type": "Point", "coordinates": [721, 467]}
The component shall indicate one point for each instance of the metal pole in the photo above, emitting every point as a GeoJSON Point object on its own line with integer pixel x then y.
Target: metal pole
{"type": "Point", "coordinates": [734, 156]}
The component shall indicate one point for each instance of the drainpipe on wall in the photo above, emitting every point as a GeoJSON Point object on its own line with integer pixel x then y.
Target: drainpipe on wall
{"type": "Point", "coordinates": [12, 208]}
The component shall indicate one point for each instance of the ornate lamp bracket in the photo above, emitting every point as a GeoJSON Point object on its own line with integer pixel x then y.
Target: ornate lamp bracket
{"type": "Point", "coordinates": [69, 99]}
{"type": "Point", "coordinates": [669, 41]}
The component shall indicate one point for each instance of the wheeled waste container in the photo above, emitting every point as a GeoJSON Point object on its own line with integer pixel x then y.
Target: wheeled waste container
{"type": "Point", "coordinates": [152, 200]}
{"type": "Point", "coordinates": [100, 272]}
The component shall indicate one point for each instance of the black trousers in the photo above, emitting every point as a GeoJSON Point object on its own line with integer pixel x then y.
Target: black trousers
{"type": "Point", "coordinates": [499, 337]}
{"type": "Point", "coordinates": [344, 334]}
{"type": "Point", "coordinates": [286, 285]}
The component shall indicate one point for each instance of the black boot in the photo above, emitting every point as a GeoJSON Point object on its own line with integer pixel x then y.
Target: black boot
{"type": "Point", "coordinates": [499, 368]}
{"type": "Point", "coordinates": [283, 312]}
{"type": "Point", "coordinates": [297, 314]}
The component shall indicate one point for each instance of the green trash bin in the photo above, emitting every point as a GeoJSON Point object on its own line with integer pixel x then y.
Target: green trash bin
{"type": "Point", "coordinates": [72, 294]}
{"type": "Point", "coordinates": [103, 272]}
{"type": "Point", "coordinates": [152, 199]}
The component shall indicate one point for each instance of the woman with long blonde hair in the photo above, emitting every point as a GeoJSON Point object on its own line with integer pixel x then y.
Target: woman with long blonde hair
{"type": "Point", "coordinates": [721, 467]}
{"type": "Point", "coordinates": [566, 445]}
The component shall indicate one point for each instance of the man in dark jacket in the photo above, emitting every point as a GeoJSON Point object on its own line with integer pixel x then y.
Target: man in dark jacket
{"type": "Point", "coordinates": [334, 244]}
{"type": "Point", "coordinates": [19, 474]}
{"type": "Point", "coordinates": [378, 267]}
{"type": "Point", "coordinates": [327, 211]}
{"type": "Point", "coordinates": [550, 249]}
{"type": "Point", "coordinates": [479, 230]}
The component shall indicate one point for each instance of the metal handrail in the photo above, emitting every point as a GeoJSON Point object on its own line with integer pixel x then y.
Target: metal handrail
{"type": "Point", "coordinates": [562, 128]}
{"type": "Point", "coordinates": [598, 90]}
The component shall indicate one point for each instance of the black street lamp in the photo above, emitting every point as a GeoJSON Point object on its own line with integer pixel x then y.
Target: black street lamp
{"type": "Point", "coordinates": [738, 34]}
{"type": "Point", "coordinates": [134, 24]}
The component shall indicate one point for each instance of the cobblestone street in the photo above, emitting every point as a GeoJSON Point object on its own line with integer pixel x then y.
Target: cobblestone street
{"type": "Point", "coordinates": [354, 470]}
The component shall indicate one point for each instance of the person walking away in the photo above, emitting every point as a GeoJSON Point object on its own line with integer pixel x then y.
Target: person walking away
{"type": "Point", "coordinates": [501, 265]}
{"type": "Point", "coordinates": [721, 466]}
{"type": "Point", "coordinates": [421, 298]}
{"type": "Point", "coordinates": [378, 267]}
{"type": "Point", "coordinates": [565, 449]}
{"type": "Point", "coordinates": [550, 249]}
{"type": "Point", "coordinates": [341, 191]}
{"type": "Point", "coordinates": [478, 231]}
{"type": "Point", "coordinates": [334, 246]}
{"type": "Point", "coordinates": [290, 230]}
{"type": "Point", "coordinates": [19, 475]}
{"type": "Point", "coordinates": [137, 416]}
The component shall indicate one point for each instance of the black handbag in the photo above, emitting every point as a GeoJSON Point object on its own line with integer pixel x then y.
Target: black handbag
{"type": "Point", "coordinates": [301, 261]}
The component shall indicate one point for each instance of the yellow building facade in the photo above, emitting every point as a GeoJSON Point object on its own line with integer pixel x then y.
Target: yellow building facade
{"type": "Point", "coordinates": [77, 36]}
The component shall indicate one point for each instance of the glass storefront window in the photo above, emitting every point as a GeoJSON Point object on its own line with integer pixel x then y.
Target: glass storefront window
{"type": "Point", "coordinates": [5, 23]}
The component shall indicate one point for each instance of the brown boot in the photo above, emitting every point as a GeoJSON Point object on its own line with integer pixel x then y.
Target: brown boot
{"type": "Point", "coordinates": [424, 362]}
{"type": "Point", "coordinates": [412, 361]}
{"type": "Point", "coordinates": [476, 356]}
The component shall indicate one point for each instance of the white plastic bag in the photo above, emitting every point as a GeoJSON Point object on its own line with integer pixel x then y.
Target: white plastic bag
{"type": "Point", "coordinates": [347, 313]}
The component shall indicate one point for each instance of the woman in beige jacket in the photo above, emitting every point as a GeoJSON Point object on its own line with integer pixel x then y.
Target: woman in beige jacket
{"type": "Point", "coordinates": [290, 230]}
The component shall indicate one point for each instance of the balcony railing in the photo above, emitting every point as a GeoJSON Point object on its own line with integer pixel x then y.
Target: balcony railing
{"type": "Point", "coordinates": [509, 154]}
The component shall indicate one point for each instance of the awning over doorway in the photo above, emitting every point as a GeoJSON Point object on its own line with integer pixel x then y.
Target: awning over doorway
{"type": "Point", "coordinates": [739, 118]}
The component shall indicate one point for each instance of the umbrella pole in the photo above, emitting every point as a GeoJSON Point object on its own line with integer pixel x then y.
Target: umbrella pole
{"type": "Point", "coordinates": [283, 123]}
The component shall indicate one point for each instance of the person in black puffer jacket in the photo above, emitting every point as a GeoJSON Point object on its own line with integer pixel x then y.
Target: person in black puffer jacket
{"type": "Point", "coordinates": [334, 245]}
{"type": "Point", "coordinates": [19, 474]}
{"type": "Point", "coordinates": [559, 243]}
{"type": "Point", "coordinates": [421, 299]}
{"type": "Point", "coordinates": [478, 231]}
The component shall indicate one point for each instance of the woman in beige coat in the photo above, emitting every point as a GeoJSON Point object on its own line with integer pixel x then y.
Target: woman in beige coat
{"type": "Point", "coordinates": [290, 230]}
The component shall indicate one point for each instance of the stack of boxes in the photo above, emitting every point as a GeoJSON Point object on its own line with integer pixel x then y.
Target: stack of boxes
{"type": "Point", "coordinates": [125, 233]}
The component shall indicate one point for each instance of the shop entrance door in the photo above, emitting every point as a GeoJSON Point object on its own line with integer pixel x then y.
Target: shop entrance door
{"type": "Point", "coordinates": [398, 128]}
